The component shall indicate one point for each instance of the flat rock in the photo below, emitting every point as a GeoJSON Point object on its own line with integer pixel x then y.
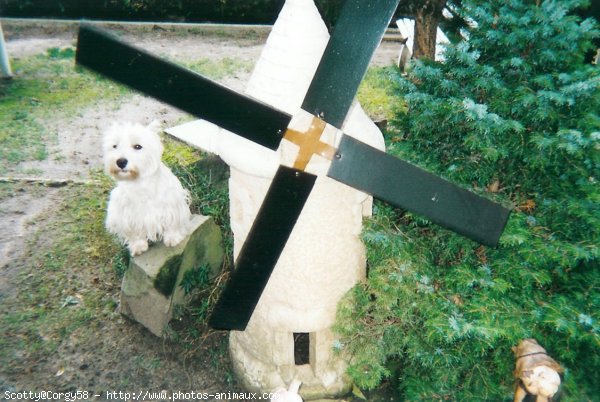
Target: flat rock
{"type": "Point", "coordinates": [151, 286]}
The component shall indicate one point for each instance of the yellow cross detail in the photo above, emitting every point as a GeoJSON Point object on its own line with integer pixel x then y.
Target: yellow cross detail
{"type": "Point", "coordinates": [310, 143]}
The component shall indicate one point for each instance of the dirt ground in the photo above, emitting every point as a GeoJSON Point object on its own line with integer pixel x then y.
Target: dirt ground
{"type": "Point", "coordinates": [124, 353]}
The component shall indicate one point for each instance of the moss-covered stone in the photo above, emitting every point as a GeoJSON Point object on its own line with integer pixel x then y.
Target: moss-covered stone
{"type": "Point", "coordinates": [167, 275]}
{"type": "Point", "coordinates": [151, 286]}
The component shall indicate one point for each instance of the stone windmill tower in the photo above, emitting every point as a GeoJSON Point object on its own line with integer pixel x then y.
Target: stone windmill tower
{"type": "Point", "coordinates": [289, 335]}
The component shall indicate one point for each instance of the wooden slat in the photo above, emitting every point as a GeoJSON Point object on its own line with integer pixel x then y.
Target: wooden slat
{"type": "Point", "coordinates": [180, 87]}
{"type": "Point", "coordinates": [265, 242]}
{"type": "Point", "coordinates": [409, 187]}
{"type": "Point", "coordinates": [357, 34]}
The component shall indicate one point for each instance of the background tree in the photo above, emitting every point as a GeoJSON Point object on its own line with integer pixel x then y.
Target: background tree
{"type": "Point", "coordinates": [512, 113]}
{"type": "Point", "coordinates": [427, 15]}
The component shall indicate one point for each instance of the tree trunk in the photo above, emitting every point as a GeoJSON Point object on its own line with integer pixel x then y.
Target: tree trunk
{"type": "Point", "coordinates": [427, 18]}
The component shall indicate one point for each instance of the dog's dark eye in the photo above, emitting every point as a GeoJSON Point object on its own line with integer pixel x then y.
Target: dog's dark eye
{"type": "Point", "coordinates": [114, 146]}
{"type": "Point", "coordinates": [137, 146]}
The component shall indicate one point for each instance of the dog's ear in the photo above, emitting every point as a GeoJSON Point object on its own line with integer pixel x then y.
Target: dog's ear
{"type": "Point", "coordinates": [154, 126]}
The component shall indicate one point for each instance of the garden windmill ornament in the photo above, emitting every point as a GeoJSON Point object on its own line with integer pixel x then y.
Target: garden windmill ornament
{"type": "Point", "coordinates": [299, 301]}
{"type": "Point", "coordinates": [322, 153]}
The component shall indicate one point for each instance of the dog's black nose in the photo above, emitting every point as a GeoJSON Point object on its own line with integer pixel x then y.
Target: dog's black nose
{"type": "Point", "coordinates": [121, 163]}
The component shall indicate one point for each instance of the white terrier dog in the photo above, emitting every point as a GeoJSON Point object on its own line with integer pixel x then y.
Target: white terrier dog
{"type": "Point", "coordinates": [149, 203]}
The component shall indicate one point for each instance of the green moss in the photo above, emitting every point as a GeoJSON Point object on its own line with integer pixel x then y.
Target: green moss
{"type": "Point", "coordinates": [121, 261]}
{"type": "Point", "coordinates": [167, 276]}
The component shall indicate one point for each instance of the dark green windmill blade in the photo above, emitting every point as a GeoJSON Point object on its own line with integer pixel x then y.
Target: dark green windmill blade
{"type": "Point", "coordinates": [409, 187]}
{"type": "Point", "coordinates": [357, 34]}
{"type": "Point", "coordinates": [332, 90]}
{"type": "Point", "coordinates": [265, 242]}
{"type": "Point", "coordinates": [180, 87]}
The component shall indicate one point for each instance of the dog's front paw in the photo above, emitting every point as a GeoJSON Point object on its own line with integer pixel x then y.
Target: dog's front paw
{"type": "Point", "coordinates": [138, 247]}
{"type": "Point", "coordinates": [173, 239]}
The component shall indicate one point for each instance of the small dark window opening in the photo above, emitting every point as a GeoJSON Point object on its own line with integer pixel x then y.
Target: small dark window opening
{"type": "Point", "coordinates": [301, 348]}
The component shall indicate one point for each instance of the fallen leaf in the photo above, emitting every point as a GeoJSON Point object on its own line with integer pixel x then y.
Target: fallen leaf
{"type": "Point", "coordinates": [71, 301]}
{"type": "Point", "coordinates": [358, 393]}
{"type": "Point", "coordinates": [456, 299]}
{"type": "Point", "coordinates": [527, 206]}
{"type": "Point", "coordinates": [494, 187]}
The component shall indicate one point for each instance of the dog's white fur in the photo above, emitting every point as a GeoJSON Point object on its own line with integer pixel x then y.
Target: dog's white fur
{"type": "Point", "coordinates": [148, 203]}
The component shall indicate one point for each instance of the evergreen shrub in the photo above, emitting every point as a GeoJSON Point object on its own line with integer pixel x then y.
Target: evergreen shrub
{"type": "Point", "coordinates": [512, 114]}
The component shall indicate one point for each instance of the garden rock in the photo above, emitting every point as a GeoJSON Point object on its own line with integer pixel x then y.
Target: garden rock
{"type": "Point", "coordinates": [151, 286]}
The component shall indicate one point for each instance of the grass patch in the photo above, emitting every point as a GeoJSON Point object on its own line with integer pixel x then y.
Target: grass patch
{"type": "Point", "coordinates": [217, 70]}
{"type": "Point", "coordinates": [206, 177]}
{"type": "Point", "coordinates": [64, 280]}
{"type": "Point", "coordinates": [7, 190]}
{"type": "Point", "coordinates": [376, 94]}
{"type": "Point", "coordinates": [46, 86]}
